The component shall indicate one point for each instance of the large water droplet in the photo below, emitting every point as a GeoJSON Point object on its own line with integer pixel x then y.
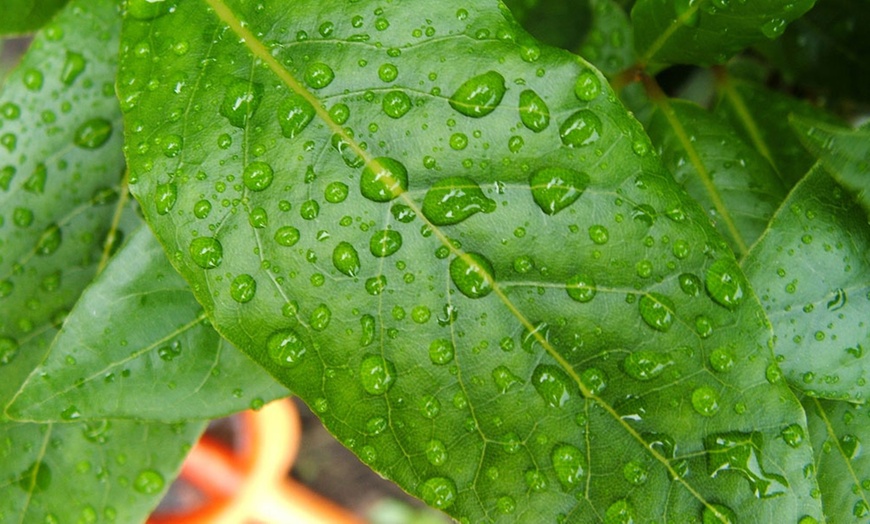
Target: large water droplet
{"type": "Point", "coordinates": [705, 400]}
{"type": "Point", "coordinates": [241, 100]}
{"type": "Point", "coordinates": [243, 288]}
{"type": "Point", "coordinates": [93, 133]}
{"type": "Point", "coordinates": [346, 259]}
{"type": "Point", "coordinates": [320, 317]}
{"type": "Point", "coordinates": [258, 176]}
{"type": "Point", "coordinates": [555, 188]}
{"type": "Point", "coordinates": [725, 283]}
{"type": "Point", "coordinates": [377, 374]}
{"type": "Point", "coordinates": [294, 115]}
{"type": "Point", "coordinates": [385, 242]}
{"type": "Point", "coordinates": [504, 379]}
{"type": "Point", "coordinates": [473, 275]}
{"type": "Point", "coordinates": [438, 492]}
{"type": "Point", "coordinates": [587, 87]}
{"type": "Point", "coordinates": [149, 482]}
{"type": "Point", "coordinates": [441, 351]}
{"type": "Point", "coordinates": [453, 199]}
{"type": "Point", "coordinates": [741, 453]}
{"type": "Point", "coordinates": [645, 365]}
{"type": "Point", "coordinates": [383, 179]}
{"type": "Point", "coordinates": [73, 66]}
{"type": "Point", "coordinates": [318, 75]}
{"type": "Point", "coordinates": [620, 512]}
{"type": "Point", "coordinates": [534, 113]}
{"type": "Point", "coordinates": [436, 452]}
{"type": "Point", "coordinates": [395, 104]}
{"type": "Point", "coordinates": [479, 95]}
{"type": "Point", "coordinates": [580, 129]}
{"type": "Point", "coordinates": [206, 252]}
{"type": "Point", "coordinates": [552, 384]}
{"type": "Point", "coordinates": [569, 464]}
{"type": "Point", "coordinates": [286, 348]}
{"type": "Point", "coordinates": [8, 349]}
{"type": "Point", "coordinates": [165, 197]}
{"type": "Point", "coordinates": [581, 287]}
{"type": "Point", "coordinates": [657, 311]}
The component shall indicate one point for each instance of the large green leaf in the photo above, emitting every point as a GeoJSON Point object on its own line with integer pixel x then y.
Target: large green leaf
{"type": "Point", "coordinates": [726, 175]}
{"type": "Point", "coordinates": [171, 365]}
{"type": "Point", "coordinates": [707, 31]}
{"type": "Point", "coordinates": [838, 432]}
{"type": "Point", "coordinates": [609, 44]}
{"type": "Point", "coordinates": [762, 118]}
{"type": "Point", "coordinates": [843, 152]}
{"type": "Point", "coordinates": [812, 271]}
{"type": "Point", "coordinates": [467, 259]}
{"type": "Point", "coordinates": [22, 16]}
{"type": "Point", "coordinates": [561, 23]}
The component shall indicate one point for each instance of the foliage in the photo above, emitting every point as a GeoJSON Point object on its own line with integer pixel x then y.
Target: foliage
{"type": "Point", "coordinates": [491, 281]}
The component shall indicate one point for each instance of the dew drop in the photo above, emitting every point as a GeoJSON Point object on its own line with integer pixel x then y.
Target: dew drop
{"type": "Point", "coordinates": [93, 133]}
{"type": "Point", "coordinates": [580, 129]}
{"type": "Point", "coordinates": [657, 311]}
{"type": "Point", "coordinates": [740, 453]}
{"type": "Point", "coordinates": [581, 287]}
{"type": "Point", "coordinates": [73, 66]}
{"type": "Point", "coordinates": [722, 359]}
{"type": "Point", "coordinates": [773, 28]}
{"type": "Point", "coordinates": [587, 87]}
{"type": "Point", "coordinates": [635, 472]}
{"type": "Point", "coordinates": [620, 512]}
{"type": "Point", "coordinates": [149, 9]}
{"type": "Point", "coordinates": [241, 100]}
{"type": "Point", "coordinates": [165, 197]}
{"type": "Point", "coordinates": [243, 288]}
{"type": "Point", "coordinates": [568, 464]}
{"type": "Point", "coordinates": [206, 252]}
{"type": "Point", "coordinates": [377, 374]}
{"type": "Point", "coordinates": [285, 348]}
{"type": "Point", "coordinates": [383, 179]}
{"type": "Point", "coordinates": [395, 104]}
{"type": "Point", "coordinates": [49, 241]}
{"type": "Point", "coordinates": [149, 482]}
{"type": "Point", "coordinates": [441, 351]}
{"type": "Point", "coordinates": [436, 452]}
{"type": "Point", "coordinates": [479, 95]}
{"type": "Point", "coordinates": [336, 192]}
{"type": "Point", "coordinates": [287, 236]}
{"type": "Point", "coordinates": [8, 349]}
{"type": "Point", "coordinates": [552, 384]}
{"type": "Point", "coordinates": [385, 243]}
{"type": "Point", "coordinates": [645, 365]}
{"type": "Point", "coordinates": [690, 284]}
{"type": "Point", "coordinates": [37, 478]}
{"type": "Point", "coordinates": [725, 283]}
{"type": "Point", "coordinates": [318, 75]}
{"type": "Point", "coordinates": [534, 113]}
{"type": "Point", "coordinates": [320, 318]}
{"type": "Point", "coordinates": [294, 115]}
{"type": "Point", "coordinates": [388, 72]}
{"type": "Point", "coordinates": [258, 176]}
{"type": "Point", "coordinates": [504, 379]}
{"type": "Point", "coordinates": [705, 400]}
{"type": "Point", "coordinates": [555, 188]}
{"type": "Point", "coordinates": [454, 199]}
{"type": "Point", "coordinates": [599, 234]}
{"type": "Point", "coordinates": [438, 492]}
{"type": "Point", "coordinates": [473, 275]}
{"type": "Point", "coordinates": [346, 259]}
{"type": "Point", "coordinates": [793, 435]}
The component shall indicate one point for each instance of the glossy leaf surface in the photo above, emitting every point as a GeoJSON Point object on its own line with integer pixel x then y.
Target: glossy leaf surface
{"type": "Point", "coordinates": [432, 249]}
{"type": "Point", "coordinates": [692, 31]}
{"type": "Point", "coordinates": [141, 348]}
{"type": "Point", "coordinates": [810, 270]}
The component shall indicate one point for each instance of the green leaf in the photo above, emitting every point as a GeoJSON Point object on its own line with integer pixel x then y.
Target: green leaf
{"type": "Point", "coordinates": [826, 50]}
{"type": "Point", "coordinates": [22, 16]}
{"type": "Point", "coordinates": [810, 270]}
{"type": "Point", "coordinates": [693, 31]}
{"type": "Point", "coordinates": [171, 365]}
{"type": "Point", "coordinates": [730, 179]}
{"type": "Point", "coordinates": [761, 116]}
{"type": "Point", "coordinates": [838, 431]}
{"type": "Point", "coordinates": [560, 23]}
{"type": "Point", "coordinates": [843, 152]}
{"type": "Point", "coordinates": [432, 271]}
{"type": "Point", "coordinates": [609, 44]}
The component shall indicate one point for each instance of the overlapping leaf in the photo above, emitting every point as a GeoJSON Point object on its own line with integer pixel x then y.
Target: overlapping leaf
{"type": "Point", "coordinates": [609, 44]}
{"type": "Point", "coordinates": [707, 31]}
{"type": "Point", "coordinates": [461, 251]}
{"type": "Point", "coordinates": [22, 16]}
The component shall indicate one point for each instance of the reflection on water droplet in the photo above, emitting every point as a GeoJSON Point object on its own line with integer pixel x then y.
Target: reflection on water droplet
{"type": "Point", "coordinates": [318, 75]}
{"type": "Point", "coordinates": [441, 351]}
{"type": "Point", "coordinates": [346, 259]}
{"type": "Point", "coordinates": [725, 283]}
{"type": "Point", "coordinates": [206, 252]}
{"type": "Point", "coordinates": [588, 86]}
{"type": "Point", "coordinates": [620, 512]}
{"type": "Point", "coordinates": [793, 435]}
{"type": "Point", "coordinates": [555, 188]}
{"type": "Point", "coordinates": [438, 492]}
{"type": "Point", "coordinates": [454, 199]}
{"type": "Point", "coordinates": [645, 365]}
{"type": "Point", "coordinates": [580, 129]}
{"type": "Point", "coordinates": [286, 348]}
{"type": "Point", "coordinates": [8, 349]}
{"type": "Point", "coordinates": [741, 453]}
{"type": "Point", "coordinates": [473, 275]}
{"type": "Point", "coordinates": [479, 95]}
{"type": "Point", "coordinates": [294, 115]}
{"type": "Point", "coordinates": [581, 287]}
{"type": "Point", "coordinates": [93, 133]}
{"type": "Point", "coordinates": [722, 359]}
{"type": "Point", "coordinates": [534, 113]}
{"type": "Point", "coordinates": [377, 374]}
{"type": "Point", "coordinates": [396, 103]}
{"type": "Point", "coordinates": [504, 379]}
{"type": "Point", "coordinates": [657, 311]}
{"type": "Point", "coordinates": [149, 9]}
{"type": "Point", "coordinates": [635, 472]}
{"type": "Point", "coordinates": [243, 288]}
{"type": "Point", "coordinates": [383, 179]}
{"type": "Point", "coordinates": [241, 100]}
{"type": "Point", "coordinates": [385, 243]}
{"type": "Point", "coordinates": [705, 400]}
{"type": "Point", "coordinates": [149, 482]}
{"type": "Point", "coordinates": [258, 176]}
{"type": "Point", "coordinates": [73, 66]}
{"type": "Point", "coordinates": [165, 197]}
{"type": "Point", "coordinates": [552, 384]}
{"type": "Point", "coordinates": [436, 452]}
{"type": "Point", "coordinates": [569, 464]}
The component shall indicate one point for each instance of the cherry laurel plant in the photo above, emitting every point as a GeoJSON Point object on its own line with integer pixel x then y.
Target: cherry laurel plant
{"type": "Point", "coordinates": [615, 272]}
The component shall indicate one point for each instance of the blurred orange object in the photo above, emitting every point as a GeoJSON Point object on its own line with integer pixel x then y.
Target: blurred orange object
{"type": "Point", "coordinates": [250, 484]}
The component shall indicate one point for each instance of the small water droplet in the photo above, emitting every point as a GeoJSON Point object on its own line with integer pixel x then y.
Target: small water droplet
{"type": "Point", "coordinates": [473, 275]}
{"type": "Point", "coordinates": [635, 472]}
{"type": "Point", "coordinates": [286, 348]}
{"type": "Point", "coordinates": [73, 66]}
{"type": "Point", "coordinates": [555, 188]}
{"type": "Point", "coordinates": [620, 512]}
{"type": "Point", "coordinates": [385, 243]}
{"type": "Point", "coordinates": [599, 234]}
{"type": "Point", "coordinates": [587, 87]}
{"type": "Point", "coordinates": [93, 133]}
{"type": "Point", "coordinates": [580, 129]}
{"type": "Point", "coordinates": [552, 384]}
{"type": "Point", "coordinates": [441, 351]}
{"type": "Point", "coordinates": [722, 359]}
{"type": "Point", "coordinates": [479, 95]}
{"type": "Point", "coordinates": [438, 492]}
{"type": "Point", "coordinates": [149, 9]}
{"type": "Point", "coordinates": [318, 75]}
{"type": "Point", "coordinates": [569, 465]}
{"type": "Point", "coordinates": [534, 113]}
{"type": "Point", "coordinates": [240, 101]}
{"type": "Point", "coordinates": [504, 379]}
{"type": "Point", "coordinates": [8, 349]}
{"type": "Point", "coordinates": [258, 176]}
{"type": "Point", "coordinates": [436, 452]}
{"type": "Point", "coordinates": [377, 374]}
{"type": "Point", "coordinates": [645, 365]}
{"type": "Point", "coordinates": [581, 287]}
{"type": "Point", "coordinates": [49, 241]}
{"type": "Point", "coordinates": [705, 400]}
{"type": "Point", "coordinates": [395, 104]}
{"type": "Point", "coordinates": [773, 28]}
{"type": "Point", "coordinates": [657, 311]}
{"type": "Point", "coordinates": [388, 72]}
{"type": "Point", "coordinates": [725, 283]}
{"type": "Point", "coordinates": [243, 288]}
{"type": "Point", "coordinates": [294, 115]}
{"type": "Point", "coordinates": [36, 479]}
{"type": "Point", "coordinates": [454, 199]}
{"type": "Point", "coordinates": [165, 196]}
{"type": "Point", "coordinates": [206, 252]}
{"type": "Point", "coordinates": [383, 179]}
{"type": "Point", "coordinates": [336, 192]}
{"type": "Point", "coordinates": [793, 435]}
{"type": "Point", "coordinates": [149, 482]}
{"type": "Point", "coordinates": [346, 259]}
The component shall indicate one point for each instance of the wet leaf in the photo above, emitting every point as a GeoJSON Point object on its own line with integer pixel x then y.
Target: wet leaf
{"type": "Point", "coordinates": [609, 44]}
{"type": "Point", "coordinates": [443, 315]}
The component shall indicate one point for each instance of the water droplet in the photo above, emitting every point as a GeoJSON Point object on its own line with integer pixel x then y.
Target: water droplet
{"type": "Point", "coordinates": [504, 379]}
{"type": "Point", "coordinates": [336, 192]}
{"type": "Point", "coordinates": [165, 197]}
{"type": "Point", "coordinates": [436, 452]}
{"type": "Point", "coordinates": [552, 384]}
{"type": "Point", "coordinates": [555, 188]}
{"type": "Point", "coordinates": [690, 284]}
{"type": "Point", "coordinates": [149, 482]}
{"type": "Point", "coordinates": [441, 351]}
{"type": "Point", "coordinates": [395, 104]}
{"type": "Point", "coordinates": [580, 129]}
{"type": "Point", "coordinates": [741, 453]}
{"type": "Point", "coordinates": [320, 318]}
{"type": "Point", "coordinates": [388, 72]}
{"type": "Point", "coordinates": [458, 141]}
{"type": "Point", "coordinates": [793, 435]}
{"type": "Point", "coordinates": [773, 28]}
{"type": "Point", "coordinates": [241, 100]}
{"type": "Point", "coordinates": [377, 374]}
{"type": "Point", "coordinates": [568, 463]}
{"type": "Point", "coordinates": [430, 406]}
{"type": "Point", "coordinates": [438, 492]}
{"type": "Point", "coordinates": [383, 179]}
{"type": "Point", "coordinates": [36, 479]}
{"type": "Point", "coordinates": [594, 380]}
{"type": "Point", "coordinates": [243, 288]}
{"type": "Point", "coordinates": [346, 259]}
{"type": "Point", "coordinates": [850, 445]}
{"type": "Point", "coordinates": [318, 75]}
{"type": "Point", "coordinates": [71, 413]}
{"type": "Point", "coordinates": [657, 311]}
{"type": "Point", "coordinates": [454, 199]}
{"type": "Point", "coordinates": [73, 66]}
{"type": "Point", "coordinates": [635, 472]}
{"type": "Point", "coordinates": [49, 241]}
{"type": "Point", "coordinates": [8, 349]}
{"type": "Point", "coordinates": [169, 352]}
{"type": "Point", "coordinates": [33, 80]}
{"type": "Point", "coordinates": [286, 348]}
{"type": "Point", "coordinates": [149, 9]}
{"type": "Point", "coordinates": [620, 512]}
{"type": "Point", "coordinates": [534, 113]}
{"type": "Point", "coordinates": [339, 113]}
{"type": "Point", "coordinates": [206, 252]}
{"type": "Point", "coordinates": [473, 275]}
{"type": "Point", "coordinates": [645, 365]}
{"type": "Point", "coordinates": [479, 95]}
{"type": "Point", "coordinates": [705, 400]}
{"type": "Point", "coordinates": [581, 287]}
{"type": "Point", "coordinates": [725, 283]}
{"type": "Point", "coordinates": [294, 115]}
{"type": "Point", "coordinates": [93, 133]}
{"type": "Point", "coordinates": [722, 359]}
{"type": "Point", "coordinates": [599, 234]}
{"type": "Point", "coordinates": [385, 242]}
{"type": "Point", "coordinates": [587, 87]}
{"type": "Point", "coordinates": [258, 176]}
